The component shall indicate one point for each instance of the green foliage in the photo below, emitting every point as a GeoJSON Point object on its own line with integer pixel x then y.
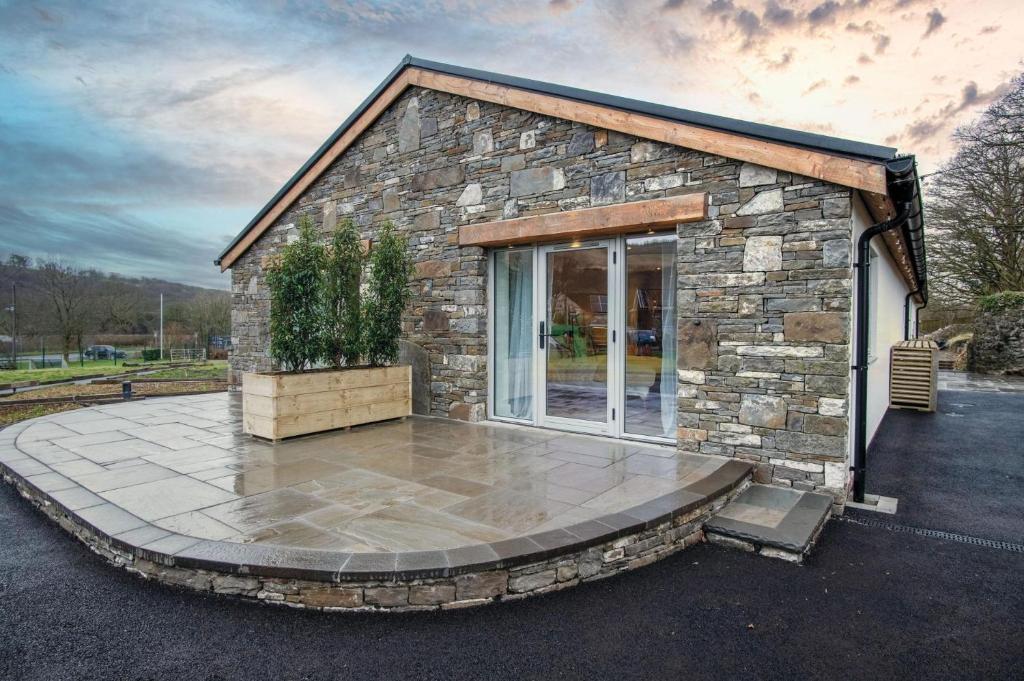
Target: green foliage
{"type": "Point", "coordinates": [998, 303]}
{"type": "Point", "coordinates": [298, 334]}
{"type": "Point", "coordinates": [150, 354]}
{"type": "Point", "coordinates": [342, 272]}
{"type": "Point", "coordinates": [387, 296]}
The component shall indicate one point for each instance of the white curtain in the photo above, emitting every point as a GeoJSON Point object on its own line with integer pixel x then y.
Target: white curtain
{"type": "Point", "coordinates": [513, 334]}
{"type": "Point", "coordinates": [668, 340]}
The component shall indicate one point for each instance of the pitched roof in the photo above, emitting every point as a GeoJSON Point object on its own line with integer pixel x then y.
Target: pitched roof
{"type": "Point", "coordinates": [815, 144]}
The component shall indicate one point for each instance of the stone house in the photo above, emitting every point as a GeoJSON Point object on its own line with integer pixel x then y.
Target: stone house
{"type": "Point", "coordinates": [614, 267]}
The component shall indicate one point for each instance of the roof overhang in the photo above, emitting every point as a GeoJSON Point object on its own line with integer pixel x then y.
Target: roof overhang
{"type": "Point", "coordinates": [851, 164]}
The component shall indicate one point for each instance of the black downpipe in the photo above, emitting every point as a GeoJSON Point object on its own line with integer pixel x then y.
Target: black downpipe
{"type": "Point", "coordinates": [917, 320]}
{"type": "Point", "coordinates": [906, 314]}
{"type": "Point", "coordinates": [861, 351]}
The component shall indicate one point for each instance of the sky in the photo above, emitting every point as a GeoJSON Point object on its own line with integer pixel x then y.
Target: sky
{"type": "Point", "coordinates": [140, 137]}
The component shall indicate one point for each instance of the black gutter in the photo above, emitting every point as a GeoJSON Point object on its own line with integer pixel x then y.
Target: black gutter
{"type": "Point", "coordinates": [797, 138]}
{"type": "Point", "coordinates": [905, 192]}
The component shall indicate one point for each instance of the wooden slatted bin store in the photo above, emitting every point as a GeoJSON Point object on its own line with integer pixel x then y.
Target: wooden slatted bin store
{"type": "Point", "coordinates": [914, 375]}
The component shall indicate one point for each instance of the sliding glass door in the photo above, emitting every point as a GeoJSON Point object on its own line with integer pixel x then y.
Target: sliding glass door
{"type": "Point", "coordinates": [649, 367]}
{"type": "Point", "coordinates": [575, 336]}
{"type": "Point", "coordinates": [583, 336]}
{"type": "Point", "coordinates": [513, 334]}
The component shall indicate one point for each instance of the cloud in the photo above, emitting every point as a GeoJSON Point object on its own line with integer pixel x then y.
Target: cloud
{"type": "Point", "coordinates": [560, 6]}
{"type": "Point", "coordinates": [672, 5]}
{"type": "Point", "coordinates": [866, 27]}
{"type": "Point", "coordinates": [749, 25]}
{"type": "Point", "coordinates": [863, 58]}
{"type": "Point", "coordinates": [935, 22]}
{"type": "Point", "coordinates": [784, 61]}
{"type": "Point", "coordinates": [720, 8]}
{"type": "Point", "coordinates": [816, 85]}
{"type": "Point", "coordinates": [851, 80]}
{"type": "Point", "coordinates": [678, 43]}
{"type": "Point", "coordinates": [777, 15]}
{"type": "Point", "coordinates": [97, 236]}
{"type": "Point", "coordinates": [882, 42]}
{"type": "Point", "coordinates": [945, 117]}
{"type": "Point", "coordinates": [825, 13]}
{"type": "Point", "coordinates": [988, 30]}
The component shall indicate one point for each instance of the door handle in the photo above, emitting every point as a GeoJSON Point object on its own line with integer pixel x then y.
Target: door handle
{"type": "Point", "coordinates": [542, 335]}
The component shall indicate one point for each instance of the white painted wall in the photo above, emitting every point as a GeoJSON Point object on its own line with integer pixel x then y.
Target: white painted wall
{"type": "Point", "coordinates": [888, 295]}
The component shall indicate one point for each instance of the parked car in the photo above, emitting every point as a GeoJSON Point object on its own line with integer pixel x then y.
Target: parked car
{"type": "Point", "coordinates": [104, 352]}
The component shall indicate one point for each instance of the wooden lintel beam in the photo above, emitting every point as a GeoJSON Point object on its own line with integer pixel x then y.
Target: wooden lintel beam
{"type": "Point", "coordinates": [586, 222]}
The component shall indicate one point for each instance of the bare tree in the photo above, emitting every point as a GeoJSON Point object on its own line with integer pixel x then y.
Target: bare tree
{"type": "Point", "coordinates": [67, 290]}
{"type": "Point", "coordinates": [209, 313]}
{"type": "Point", "coordinates": [976, 206]}
{"type": "Point", "coordinates": [117, 306]}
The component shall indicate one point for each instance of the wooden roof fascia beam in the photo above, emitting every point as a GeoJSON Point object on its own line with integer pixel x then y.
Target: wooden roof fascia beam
{"type": "Point", "coordinates": [869, 177]}
{"type": "Point", "coordinates": [379, 106]}
{"type": "Point", "coordinates": [837, 169]}
{"type": "Point", "coordinates": [586, 223]}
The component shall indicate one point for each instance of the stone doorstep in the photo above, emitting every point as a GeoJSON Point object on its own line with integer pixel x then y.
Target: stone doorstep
{"type": "Point", "coordinates": [773, 521]}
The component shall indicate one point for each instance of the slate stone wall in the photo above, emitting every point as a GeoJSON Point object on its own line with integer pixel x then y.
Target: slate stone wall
{"type": "Point", "coordinates": [764, 376]}
{"type": "Point", "coordinates": [764, 300]}
{"type": "Point", "coordinates": [998, 343]}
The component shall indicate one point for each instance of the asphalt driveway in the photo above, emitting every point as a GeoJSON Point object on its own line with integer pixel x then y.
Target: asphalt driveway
{"type": "Point", "coordinates": [960, 469]}
{"type": "Point", "coordinates": [868, 603]}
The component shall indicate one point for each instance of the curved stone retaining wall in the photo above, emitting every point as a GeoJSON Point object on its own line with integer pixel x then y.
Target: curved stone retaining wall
{"type": "Point", "coordinates": [533, 565]}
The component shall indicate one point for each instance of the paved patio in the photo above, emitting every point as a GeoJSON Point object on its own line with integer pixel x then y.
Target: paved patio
{"type": "Point", "coordinates": [178, 468]}
{"type": "Point", "coordinates": [962, 380]}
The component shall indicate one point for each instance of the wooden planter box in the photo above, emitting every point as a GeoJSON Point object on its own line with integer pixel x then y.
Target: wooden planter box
{"type": "Point", "coordinates": [280, 405]}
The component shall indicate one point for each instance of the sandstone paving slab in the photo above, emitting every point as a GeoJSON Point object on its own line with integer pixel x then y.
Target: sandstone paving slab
{"type": "Point", "coordinates": [76, 498]}
{"type": "Point", "coordinates": [253, 513]}
{"type": "Point", "coordinates": [100, 425]}
{"type": "Point", "coordinates": [78, 443]}
{"type": "Point", "coordinates": [106, 480]}
{"type": "Point", "coordinates": [196, 524]}
{"type": "Point", "coordinates": [170, 496]}
{"type": "Point", "coordinates": [51, 482]}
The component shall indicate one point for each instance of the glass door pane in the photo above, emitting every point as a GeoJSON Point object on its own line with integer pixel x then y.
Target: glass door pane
{"type": "Point", "coordinates": [513, 334]}
{"type": "Point", "coordinates": [577, 334]}
{"type": "Point", "coordinates": [650, 347]}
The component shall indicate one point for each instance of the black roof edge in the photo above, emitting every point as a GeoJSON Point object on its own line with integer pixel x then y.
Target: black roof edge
{"type": "Point", "coordinates": [833, 145]}
{"type": "Point", "coordinates": [809, 140]}
{"type": "Point", "coordinates": [904, 185]}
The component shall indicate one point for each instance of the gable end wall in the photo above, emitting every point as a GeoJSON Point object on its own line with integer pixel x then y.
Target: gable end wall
{"type": "Point", "coordinates": [772, 259]}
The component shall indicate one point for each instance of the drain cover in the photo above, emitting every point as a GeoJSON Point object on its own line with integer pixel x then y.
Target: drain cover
{"type": "Point", "coordinates": [936, 534]}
